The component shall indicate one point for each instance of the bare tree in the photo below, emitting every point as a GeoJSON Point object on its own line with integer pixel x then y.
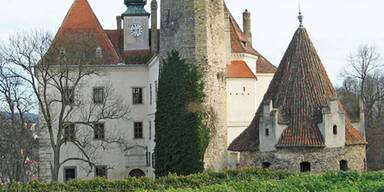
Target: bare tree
{"type": "Point", "coordinates": [363, 64]}
{"type": "Point", "coordinates": [58, 71]}
{"type": "Point", "coordinates": [364, 79]}
{"type": "Point", "coordinates": [16, 137]}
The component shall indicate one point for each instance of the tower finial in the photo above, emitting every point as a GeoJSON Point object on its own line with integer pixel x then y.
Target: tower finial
{"type": "Point", "coordinates": [300, 17]}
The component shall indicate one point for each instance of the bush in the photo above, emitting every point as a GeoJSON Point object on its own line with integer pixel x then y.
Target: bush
{"type": "Point", "coordinates": [252, 179]}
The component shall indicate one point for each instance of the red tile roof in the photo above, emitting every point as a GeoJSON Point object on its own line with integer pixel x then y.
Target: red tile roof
{"type": "Point", "coordinates": [299, 89]}
{"type": "Point", "coordinates": [239, 69]}
{"type": "Point", "coordinates": [240, 44]}
{"type": "Point", "coordinates": [81, 18]}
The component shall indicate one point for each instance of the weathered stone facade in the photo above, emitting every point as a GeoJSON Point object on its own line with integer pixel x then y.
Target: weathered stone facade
{"type": "Point", "coordinates": [320, 159]}
{"type": "Point", "coordinates": [197, 29]}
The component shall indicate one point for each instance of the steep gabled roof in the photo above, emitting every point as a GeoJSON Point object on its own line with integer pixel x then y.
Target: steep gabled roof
{"type": "Point", "coordinates": [81, 18]}
{"type": "Point", "coordinates": [239, 69]}
{"type": "Point", "coordinates": [299, 89]}
{"type": "Point", "coordinates": [240, 44]}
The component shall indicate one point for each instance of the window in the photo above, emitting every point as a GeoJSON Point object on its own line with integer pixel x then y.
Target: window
{"type": "Point", "coordinates": [305, 167]}
{"type": "Point", "coordinates": [137, 95]}
{"type": "Point", "coordinates": [150, 130]}
{"type": "Point", "coordinates": [266, 165]}
{"type": "Point", "coordinates": [244, 89]}
{"type": "Point", "coordinates": [335, 129]}
{"type": "Point", "coordinates": [156, 91]}
{"type": "Point", "coordinates": [150, 93]}
{"type": "Point", "coordinates": [69, 173]}
{"type": "Point", "coordinates": [69, 131]}
{"type": "Point", "coordinates": [138, 126]}
{"type": "Point", "coordinates": [68, 95]}
{"type": "Point", "coordinates": [153, 160]}
{"type": "Point", "coordinates": [148, 159]}
{"type": "Point", "coordinates": [266, 132]}
{"type": "Point", "coordinates": [99, 52]}
{"type": "Point", "coordinates": [98, 95]}
{"type": "Point", "coordinates": [101, 171]}
{"type": "Point", "coordinates": [99, 131]}
{"type": "Point", "coordinates": [343, 165]}
{"type": "Point", "coordinates": [62, 54]}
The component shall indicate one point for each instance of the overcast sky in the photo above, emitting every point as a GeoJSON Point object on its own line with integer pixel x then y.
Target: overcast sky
{"type": "Point", "coordinates": [336, 27]}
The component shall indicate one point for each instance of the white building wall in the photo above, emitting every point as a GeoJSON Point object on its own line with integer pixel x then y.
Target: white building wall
{"type": "Point", "coordinates": [241, 105]}
{"type": "Point", "coordinates": [262, 84]}
{"type": "Point", "coordinates": [122, 79]}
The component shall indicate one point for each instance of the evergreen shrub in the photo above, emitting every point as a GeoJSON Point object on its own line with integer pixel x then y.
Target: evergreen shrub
{"type": "Point", "coordinates": [181, 136]}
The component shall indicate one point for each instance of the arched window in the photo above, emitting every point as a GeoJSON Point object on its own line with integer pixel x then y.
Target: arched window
{"type": "Point", "coordinates": [136, 173]}
{"type": "Point", "coordinates": [335, 129]}
{"type": "Point", "coordinates": [305, 166]}
{"type": "Point", "coordinates": [265, 165]}
{"type": "Point", "coordinates": [343, 165]}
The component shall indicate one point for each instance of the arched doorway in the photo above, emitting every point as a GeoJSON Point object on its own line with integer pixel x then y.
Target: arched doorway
{"type": "Point", "coordinates": [136, 173]}
{"type": "Point", "coordinates": [305, 166]}
{"type": "Point", "coordinates": [266, 165]}
{"type": "Point", "coordinates": [343, 165]}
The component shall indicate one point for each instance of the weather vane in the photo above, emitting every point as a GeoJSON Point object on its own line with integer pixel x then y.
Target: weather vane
{"type": "Point", "coordinates": [300, 17]}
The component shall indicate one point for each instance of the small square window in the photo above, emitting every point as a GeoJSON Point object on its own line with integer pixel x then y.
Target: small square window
{"type": "Point", "coordinates": [69, 131]}
{"type": "Point", "coordinates": [137, 95]}
{"type": "Point", "coordinates": [101, 171]}
{"type": "Point", "coordinates": [98, 95]}
{"type": "Point", "coordinates": [69, 173]}
{"type": "Point", "coordinates": [68, 95]}
{"type": "Point", "coordinates": [138, 126]}
{"type": "Point", "coordinates": [99, 131]}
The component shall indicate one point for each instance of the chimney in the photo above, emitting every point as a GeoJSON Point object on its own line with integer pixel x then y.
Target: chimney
{"type": "Point", "coordinates": [118, 21]}
{"type": "Point", "coordinates": [247, 25]}
{"type": "Point", "coordinates": [154, 34]}
{"type": "Point", "coordinates": [362, 118]}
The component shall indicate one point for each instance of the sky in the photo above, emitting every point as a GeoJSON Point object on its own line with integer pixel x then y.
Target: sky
{"type": "Point", "coordinates": [336, 27]}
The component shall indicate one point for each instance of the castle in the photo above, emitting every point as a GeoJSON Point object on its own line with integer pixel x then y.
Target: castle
{"type": "Point", "coordinates": [236, 77]}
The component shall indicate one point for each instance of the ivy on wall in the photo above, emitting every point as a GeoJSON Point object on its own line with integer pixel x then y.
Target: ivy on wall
{"type": "Point", "coordinates": [181, 136]}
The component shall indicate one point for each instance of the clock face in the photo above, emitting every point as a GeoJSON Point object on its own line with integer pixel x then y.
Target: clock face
{"type": "Point", "coordinates": [136, 30]}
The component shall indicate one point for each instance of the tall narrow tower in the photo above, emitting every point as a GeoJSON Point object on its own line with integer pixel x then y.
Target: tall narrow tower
{"type": "Point", "coordinates": [197, 29]}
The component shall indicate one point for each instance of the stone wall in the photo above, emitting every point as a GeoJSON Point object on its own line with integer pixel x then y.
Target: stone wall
{"type": "Point", "coordinates": [320, 159]}
{"type": "Point", "coordinates": [197, 29]}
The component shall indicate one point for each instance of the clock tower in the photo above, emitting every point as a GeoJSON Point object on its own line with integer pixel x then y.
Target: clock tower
{"type": "Point", "coordinates": [136, 32]}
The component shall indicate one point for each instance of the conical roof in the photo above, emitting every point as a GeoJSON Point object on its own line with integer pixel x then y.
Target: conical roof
{"type": "Point", "coordinates": [81, 18]}
{"type": "Point", "coordinates": [299, 89]}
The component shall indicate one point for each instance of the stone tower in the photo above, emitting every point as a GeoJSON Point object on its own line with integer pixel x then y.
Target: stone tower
{"type": "Point", "coordinates": [197, 29]}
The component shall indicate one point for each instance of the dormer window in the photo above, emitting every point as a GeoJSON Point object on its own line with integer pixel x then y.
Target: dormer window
{"type": "Point", "coordinates": [99, 52]}
{"type": "Point", "coordinates": [244, 44]}
{"type": "Point", "coordinates": [62, 54]}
